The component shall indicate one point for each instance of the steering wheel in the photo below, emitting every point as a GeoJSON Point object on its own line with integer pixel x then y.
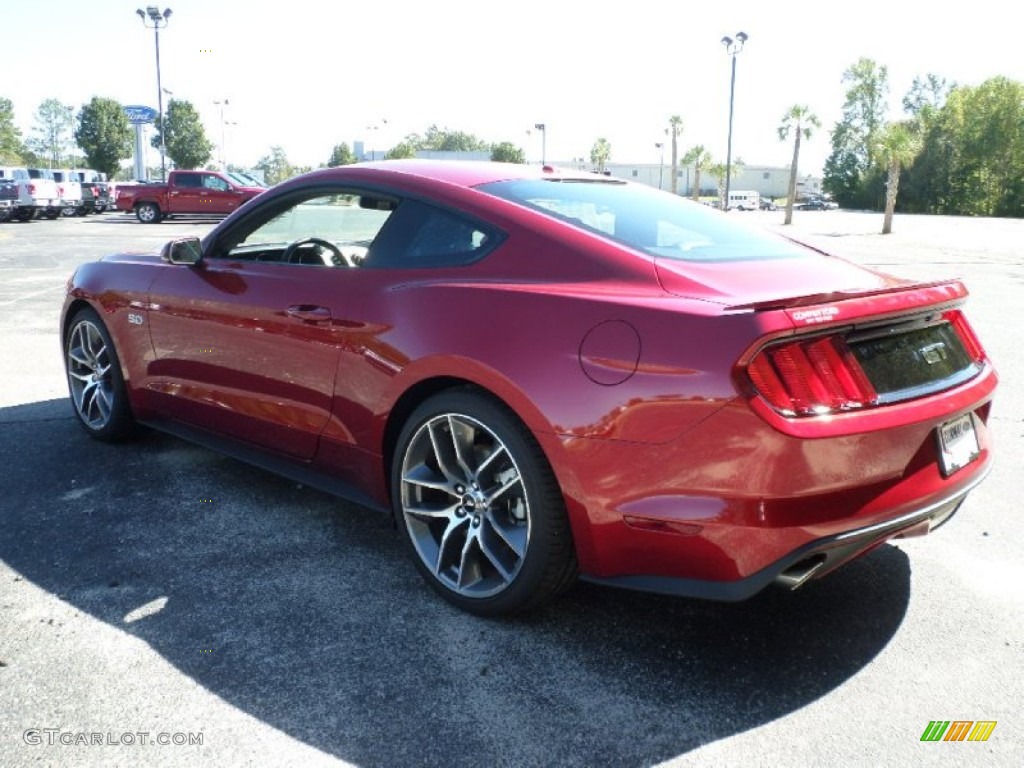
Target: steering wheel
{"type": "Point", "coordinates": [329, 252]}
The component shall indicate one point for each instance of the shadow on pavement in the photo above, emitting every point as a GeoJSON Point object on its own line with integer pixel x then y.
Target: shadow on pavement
{"type": "Point", "coordinates": [320, 626]}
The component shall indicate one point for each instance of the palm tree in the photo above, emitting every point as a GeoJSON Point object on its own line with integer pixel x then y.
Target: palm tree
{"type": "Point", "coordinates": [800, 121]}
{"type": "Point", "coordinates": [701, 160]}
{"type": "Point", "coordinates": [896, 147]}
{"type": "Point", "coordinates": [719, 170]}
{"type": "Point", "coordinates": [600, 153]}
{"type": "Point", "coordinates": [675, 127]}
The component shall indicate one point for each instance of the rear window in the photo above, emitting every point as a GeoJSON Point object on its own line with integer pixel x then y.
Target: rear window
{"type": "Point", "coordinates": [657, 223]}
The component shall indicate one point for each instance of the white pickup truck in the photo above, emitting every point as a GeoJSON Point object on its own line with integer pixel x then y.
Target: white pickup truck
{"type": "Point", "coordinates": [70, 188]}
{"type": "Point", "coordinates": [34, 195]}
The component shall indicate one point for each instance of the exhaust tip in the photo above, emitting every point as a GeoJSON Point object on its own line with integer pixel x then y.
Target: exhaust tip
{"type": "Point", "coordinates": [798, 573]}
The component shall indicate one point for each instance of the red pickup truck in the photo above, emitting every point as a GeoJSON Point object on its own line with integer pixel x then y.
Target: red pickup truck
{"type": "Point", "coordinates": [186, 192]}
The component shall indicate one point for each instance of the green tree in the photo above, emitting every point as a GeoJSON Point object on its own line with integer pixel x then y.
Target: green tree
{"type": "Point", "coordinates": [187, 145]}
{"type": "Point", "coordinates": [507, 152]}
{"type": "Point", "coordinates": [275, 166]}
{"type": "Point", "coordinates": [601, 153]}
{"type": "Point", "coordinates": [896, 146]}
{"type": "Point", "coordinates": [974, 151]}
{"type": "Point", "coordinates": [927, 95]}
{"type": "Point", "coordinates": [401, 151]}
{"type": "Point", "coordinates": [51, 134]}
{"type": "Point", "coordinates": [104, 135]}
{"type": "Point", "coordinates": [11, 148]}
{"type": "Point", "coordinates": [718, 170]}
{"type": "Point", "coordinates": [341, 155]}
{"type": "Point", "coordinates": [701, 161]}
{"type": "Point", "coordinates": [443, 140]}
{"type": "Point", "coordinates": [800, 122]}
{"type": "Point", "coordinates": [849, 168]}
{"type": "Point", "coordinates": [675, 128]}
{"type": "Point", "coordinates": [921, 189]}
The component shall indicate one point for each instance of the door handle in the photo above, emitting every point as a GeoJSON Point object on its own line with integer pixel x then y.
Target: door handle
{"type": "Point", "coordinates": [309, 313]}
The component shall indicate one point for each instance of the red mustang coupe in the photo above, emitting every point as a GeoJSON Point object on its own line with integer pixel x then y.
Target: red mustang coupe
{"type": "Point", "coordinates": [545, 374]}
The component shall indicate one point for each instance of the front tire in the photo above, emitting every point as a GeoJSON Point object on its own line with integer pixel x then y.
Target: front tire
{"type": "Point", "coordinates": [479, 506]}
{"type": "Point", "coordinates": [148, 213]}
{"type": "Point", "coordinates": [99, 397]}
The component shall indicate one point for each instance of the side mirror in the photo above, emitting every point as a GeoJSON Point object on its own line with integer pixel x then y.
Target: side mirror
{"type": "Point", "coordinates": [186, 250]}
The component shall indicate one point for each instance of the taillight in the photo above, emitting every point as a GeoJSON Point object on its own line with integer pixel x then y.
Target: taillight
{"type": "Point", "coordinates": [963, 329]}
{"type": "Point", "coordinates": [834, 373]}
{"type": "Point", "coordinates": [811, 377]}
{"type": "Point", "coordinates": [31, 189]}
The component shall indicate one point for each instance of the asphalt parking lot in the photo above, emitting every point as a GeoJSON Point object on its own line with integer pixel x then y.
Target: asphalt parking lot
{"type": "Point", "coordinates": [157, 589]}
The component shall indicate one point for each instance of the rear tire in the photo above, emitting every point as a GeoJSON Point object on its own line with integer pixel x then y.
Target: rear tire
{"type": "Point", "coordinates": [148, 213]}
{"type": "Point", "coordinates": [479, 506]}
{"type": "Point", "coordinates": [99, 397]}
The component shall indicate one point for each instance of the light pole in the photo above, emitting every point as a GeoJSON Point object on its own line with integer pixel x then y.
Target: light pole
{"type": "Point", "coordinates": [543, 142]}
{"type": "Point", "coordinates": [660, 145]}
{"type": "Point", "coordinates": [371, 129]}
{"type": "Point", "coordinates": [224, 149]}
{"type": "Point", "coordinates": [732, 47]}
{"type": "Point", "coordinates": [158, 18]}
{"type": "Point", "coordinates": [222, 103]}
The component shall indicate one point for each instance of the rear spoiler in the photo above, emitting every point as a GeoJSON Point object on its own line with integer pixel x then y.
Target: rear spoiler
{"type": "Point", "coordinates": [846, 306]}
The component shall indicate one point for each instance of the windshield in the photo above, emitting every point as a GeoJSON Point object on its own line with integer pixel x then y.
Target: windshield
{"type": "Point", "coordinates": [245, 179]}
{"type": "Point", "coordinates": [658, 223]}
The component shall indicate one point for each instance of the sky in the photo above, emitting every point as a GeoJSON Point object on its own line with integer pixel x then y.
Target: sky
{"type": "Point", "coordinates": [308, 74]}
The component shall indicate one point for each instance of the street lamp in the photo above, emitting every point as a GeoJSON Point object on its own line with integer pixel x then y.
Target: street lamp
{"type": "Point", "coordinates": [372, 136]}
{"type": "Point", "coordinates": [660, 145]}
{"type": "Point", "coordinates": [732, 47]}
{"type": "Point", "coordinates": [224, 150]}
{"type": "Point", "coordinates": [159, 19]}
{"type": "Point", "coordinates": [222, 103]}
{"type": "Point", "coordinates": [543, 142]}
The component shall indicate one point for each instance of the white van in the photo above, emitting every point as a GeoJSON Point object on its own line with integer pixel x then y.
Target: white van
{"type": "Point", "coordinates": [744, 200]}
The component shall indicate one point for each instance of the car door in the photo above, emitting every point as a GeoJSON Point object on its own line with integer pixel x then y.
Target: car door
{"type": "Point", "coordinates": [219, 196]}
{"type": "Point", "coordinates": [185, 193]}
{"type": "Point", "coordinates": [247, 342]}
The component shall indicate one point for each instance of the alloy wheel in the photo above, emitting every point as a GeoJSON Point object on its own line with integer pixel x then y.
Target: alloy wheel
{"type": "Point", "coordinates": [465, 506]}
{"type": "Point", "coordinates": [90, 375]}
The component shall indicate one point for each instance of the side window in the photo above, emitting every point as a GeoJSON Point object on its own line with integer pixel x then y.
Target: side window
{"type": "Point", "coordinates": [187, 180]}
{"type": "Point", "coordinates": [422, 236]}
{"type": "Point", "coordinates": [334, 229]}
{"type": "Point", "coordinates": [214, 182]}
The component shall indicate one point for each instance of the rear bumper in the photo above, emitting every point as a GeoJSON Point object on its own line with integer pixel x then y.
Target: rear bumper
{"type": "Point", "coordinates": [811, 561]}
{"type": "Point", "coordinates": [733, 502]}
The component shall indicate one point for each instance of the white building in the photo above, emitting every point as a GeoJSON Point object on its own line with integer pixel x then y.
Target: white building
{"type": "Point", "coordinates": [769, 181]}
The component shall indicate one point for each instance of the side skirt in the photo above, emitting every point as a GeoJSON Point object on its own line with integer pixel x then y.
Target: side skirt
{"type": "Point", "coordinates": [279, 465]}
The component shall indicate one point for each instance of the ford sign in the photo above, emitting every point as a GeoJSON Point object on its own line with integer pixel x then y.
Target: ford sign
{"type": "Point", "coordinates": [139, 115]}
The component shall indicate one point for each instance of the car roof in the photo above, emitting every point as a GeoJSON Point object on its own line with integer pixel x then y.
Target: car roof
{"type": "Point", "coordinates": [470, 173]}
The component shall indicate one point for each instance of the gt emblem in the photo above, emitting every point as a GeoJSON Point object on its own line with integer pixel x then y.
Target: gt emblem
{"type": "Point", "coordinates": [134, 319]}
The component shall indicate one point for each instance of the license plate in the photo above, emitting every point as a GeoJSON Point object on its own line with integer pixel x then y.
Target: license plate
{"type": "Point", "coordinates": [958, 444]}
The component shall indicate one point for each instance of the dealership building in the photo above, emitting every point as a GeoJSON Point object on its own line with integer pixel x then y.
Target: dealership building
{"type": "Point", "coordinates": [768, 181]}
